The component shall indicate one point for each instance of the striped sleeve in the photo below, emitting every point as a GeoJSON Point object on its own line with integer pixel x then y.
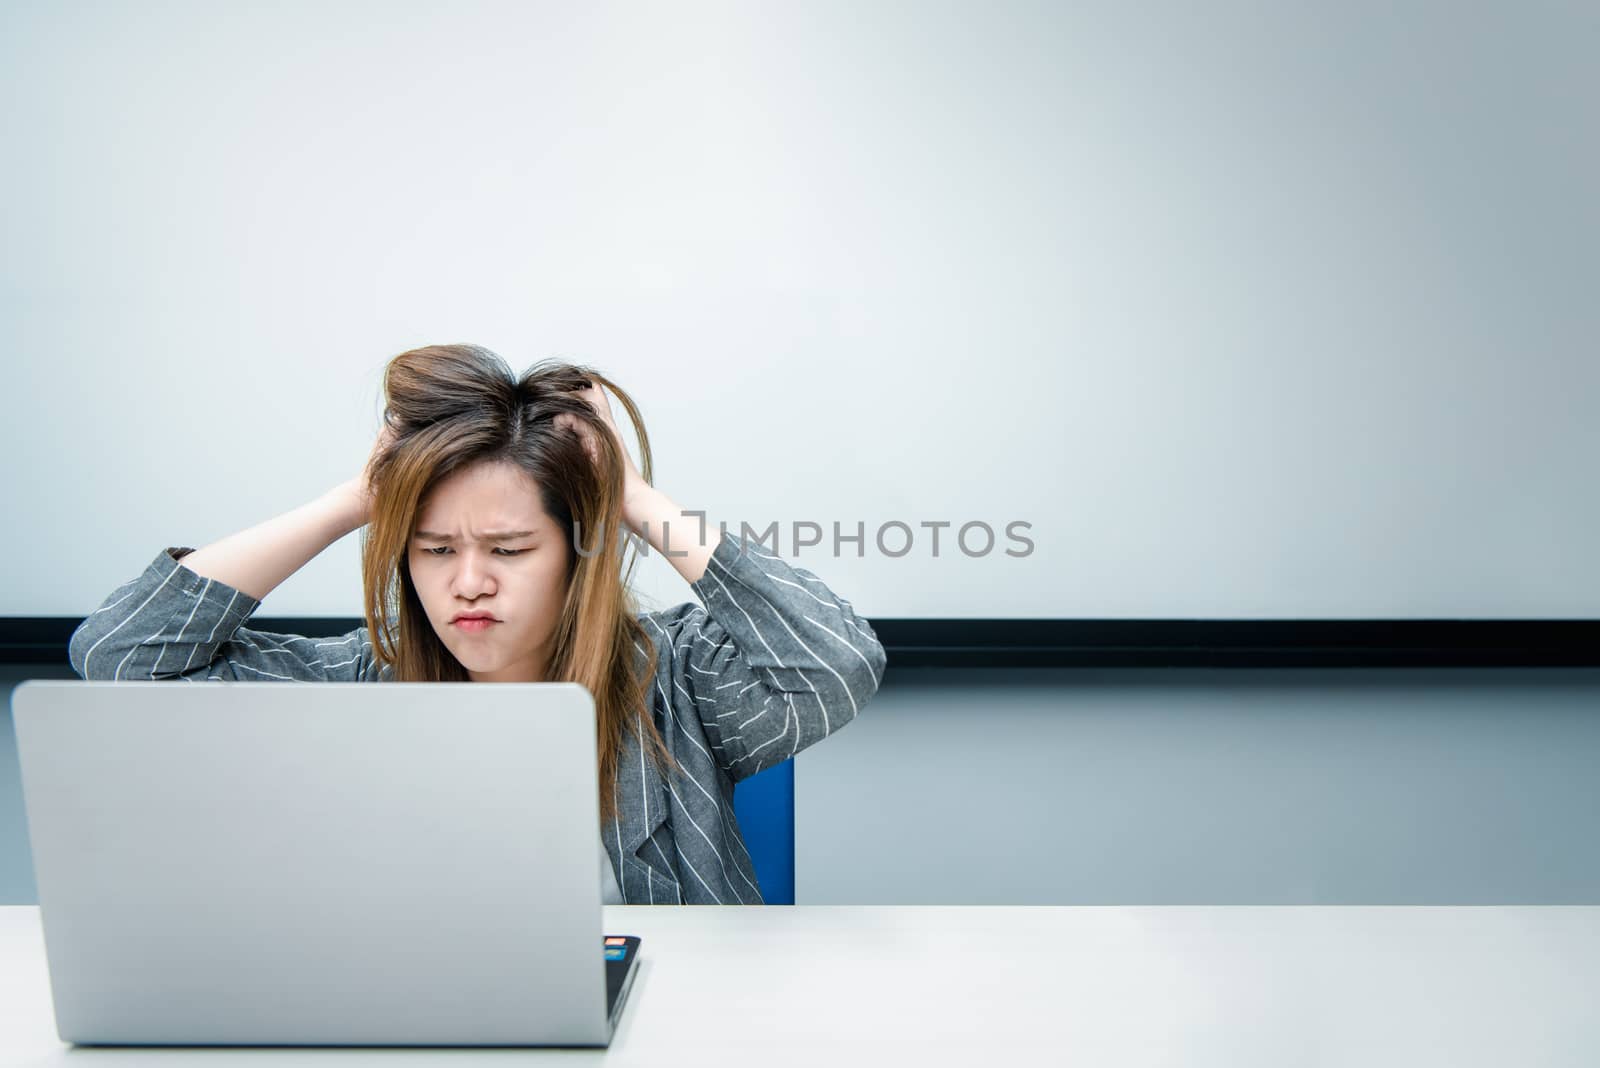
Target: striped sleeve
{"type": "Point", "coordinates": [171, 623]}
{"type": "Point", "coordinates": [774, 661]}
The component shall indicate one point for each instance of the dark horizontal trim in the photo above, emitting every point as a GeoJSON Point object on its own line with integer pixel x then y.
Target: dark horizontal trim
{"type": "Point", "coordinates": [1096, 642]}
{"type": "Point", "coordinates": [1240, 643]}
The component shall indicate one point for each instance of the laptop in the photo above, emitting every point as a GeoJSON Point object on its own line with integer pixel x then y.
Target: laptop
{"type": "Point", "coordinates": [320, 864]}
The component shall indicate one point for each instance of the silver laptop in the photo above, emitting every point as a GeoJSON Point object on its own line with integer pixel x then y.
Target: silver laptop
{"type": "Point", "coordinates": [321, 864]}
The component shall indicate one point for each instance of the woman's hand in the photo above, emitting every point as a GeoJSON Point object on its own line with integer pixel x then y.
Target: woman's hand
{"type": "Point", "coordinates": [633, 482]}
{"type": "Point", "coordinates": [359, 489]}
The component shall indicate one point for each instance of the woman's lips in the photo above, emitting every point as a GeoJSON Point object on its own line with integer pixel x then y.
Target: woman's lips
{"type": "Point", "coordinates": [474, 626]}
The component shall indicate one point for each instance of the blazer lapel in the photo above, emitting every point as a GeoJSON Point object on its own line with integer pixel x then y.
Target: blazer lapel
{"type": "Point", "coordinates": [635, 840]}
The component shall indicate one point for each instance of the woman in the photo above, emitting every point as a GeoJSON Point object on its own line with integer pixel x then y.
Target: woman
{"type": "Point", "coordinates": [494, 508]}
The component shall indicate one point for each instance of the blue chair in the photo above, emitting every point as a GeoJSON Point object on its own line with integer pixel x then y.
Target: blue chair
{"type": "Point", "coordinates": [764, 806]}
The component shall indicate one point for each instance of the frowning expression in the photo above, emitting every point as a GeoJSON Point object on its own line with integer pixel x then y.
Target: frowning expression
{"type": "Point", "coordinates": [491, 568]}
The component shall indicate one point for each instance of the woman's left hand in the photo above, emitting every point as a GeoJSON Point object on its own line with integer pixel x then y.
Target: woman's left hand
{"type": "Point", "coordinates": [632, 480]}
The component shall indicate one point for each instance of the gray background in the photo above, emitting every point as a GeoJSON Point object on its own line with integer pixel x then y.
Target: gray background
{"type": "Point", "coordinates": [1176, 786]}
{"type": "Point", "coordinates": [1254, 309]}
{"type": "Point", "coordinates": [1198, 786]}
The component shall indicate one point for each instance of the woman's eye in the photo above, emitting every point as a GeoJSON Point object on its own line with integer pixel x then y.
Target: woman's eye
{"type": "Point", "coordinates": [442, 549]}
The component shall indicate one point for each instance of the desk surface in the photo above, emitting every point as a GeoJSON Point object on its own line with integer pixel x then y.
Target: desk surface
{"type": "Point", "coordinates": [1102, 986]}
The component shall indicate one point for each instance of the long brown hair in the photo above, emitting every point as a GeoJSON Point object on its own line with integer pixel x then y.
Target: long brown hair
{"type": "Point", "coordinates": [452, 406]}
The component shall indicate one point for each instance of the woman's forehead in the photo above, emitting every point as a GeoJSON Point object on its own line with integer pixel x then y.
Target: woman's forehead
{"type": "Point", "coordinates": [496, 496]}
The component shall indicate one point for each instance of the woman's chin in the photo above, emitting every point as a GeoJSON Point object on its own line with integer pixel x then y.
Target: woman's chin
{"type": "Point", "coordinates": [471, 659]}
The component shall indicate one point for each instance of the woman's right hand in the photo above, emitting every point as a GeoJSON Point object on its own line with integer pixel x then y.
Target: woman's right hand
{"type": "Point", "coordinates": [257, 560]}
{"type": "Point", "coordinates": [360, 487]}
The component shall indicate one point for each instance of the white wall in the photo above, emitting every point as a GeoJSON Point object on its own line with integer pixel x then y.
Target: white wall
{"type": "Point", "coordinates": [1251, 309]}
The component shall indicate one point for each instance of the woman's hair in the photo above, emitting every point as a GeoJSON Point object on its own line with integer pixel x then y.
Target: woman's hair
{"type": "Point", "coordinates": [452, 406]}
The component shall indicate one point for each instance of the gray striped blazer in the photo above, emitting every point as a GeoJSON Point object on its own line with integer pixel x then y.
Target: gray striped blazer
{"type": "Point", "coordinates": [772, 663]}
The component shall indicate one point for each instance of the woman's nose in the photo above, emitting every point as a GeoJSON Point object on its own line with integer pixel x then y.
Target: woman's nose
{"type": "Point", "coordinates": [472, 578]}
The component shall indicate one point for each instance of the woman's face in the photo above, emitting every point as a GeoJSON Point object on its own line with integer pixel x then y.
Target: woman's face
{"type": "Point", "coordinates": [484, 545]}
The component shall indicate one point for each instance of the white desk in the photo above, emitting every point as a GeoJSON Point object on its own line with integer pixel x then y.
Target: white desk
{"type": "Point", "coordinates": [1289, 987]}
